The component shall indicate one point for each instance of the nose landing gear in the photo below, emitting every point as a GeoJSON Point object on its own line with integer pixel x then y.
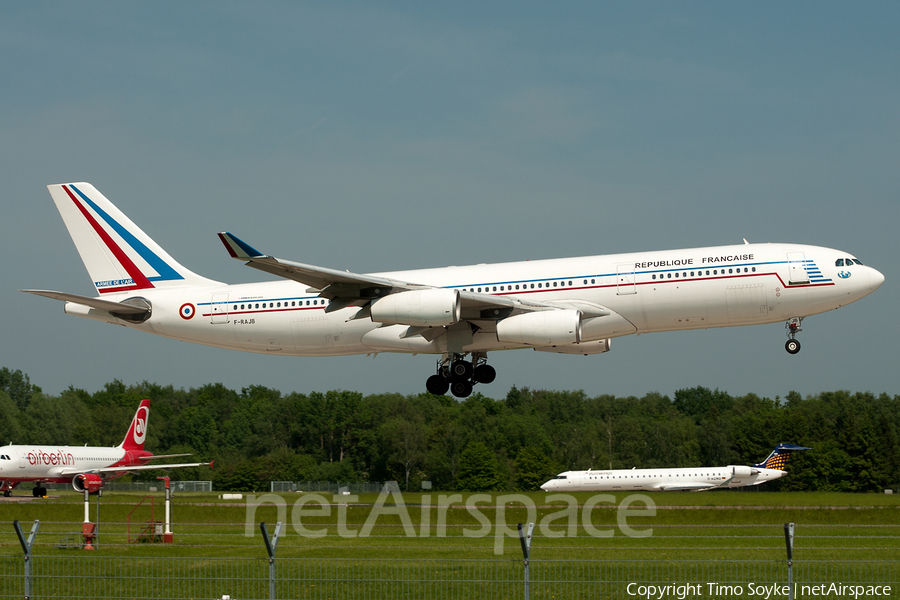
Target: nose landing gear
{"type": "Point", "coordinates": [457, 375]}
{"type": "Point", "coordinates": [793, 328]}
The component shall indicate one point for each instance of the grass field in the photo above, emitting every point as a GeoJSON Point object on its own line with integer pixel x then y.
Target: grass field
{"type": "Point", "coordinates": [724, 525]}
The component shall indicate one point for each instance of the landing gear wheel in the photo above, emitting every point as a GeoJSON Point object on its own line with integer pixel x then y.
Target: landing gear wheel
{"type": "Point", "coordinates": [42, 491]}
{"type": "Point", "coordinates": [461, 370]}
{"type": "Point", "coordinates": [7, 493]}
{"type": "Point", "coordinates": [792, 346]}
{"type": "Point", "coordinates": [437, 385]}
{"type": "Point", "coordinates": [484, 374]}
{"type": "Point", "coordinates": [461, 389]}
{"type": "Point", "coordinates": [36, 492]}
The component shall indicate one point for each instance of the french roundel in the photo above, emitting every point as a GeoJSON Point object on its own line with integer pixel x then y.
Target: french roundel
{"type": "Point", "coordinates": [140, 424]}
{"type": "Point", "coordinates": [187, 311]}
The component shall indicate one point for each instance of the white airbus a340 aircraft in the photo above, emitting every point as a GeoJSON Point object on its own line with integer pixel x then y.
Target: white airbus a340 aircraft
{"type": "Point", "coordinates": [695, 479]}
{"type": "Point", "coordinates": [565, 305]}
{"type": "Point", "coordinates": [85, 466]}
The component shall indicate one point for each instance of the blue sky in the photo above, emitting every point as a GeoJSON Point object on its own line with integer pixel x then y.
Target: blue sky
{"type": "Point", "coordinates": [388, 136]}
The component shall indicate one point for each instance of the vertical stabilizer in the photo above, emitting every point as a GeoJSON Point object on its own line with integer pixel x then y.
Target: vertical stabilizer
{"type": "Point", "coordinates": [118, 255]}
{"type": "Point", "coordinates": [779, 457]}
{"type": "Point", "coordinates": [137, 433]}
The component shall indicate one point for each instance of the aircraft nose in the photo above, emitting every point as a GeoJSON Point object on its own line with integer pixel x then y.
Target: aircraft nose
{"type": "Point", "coordinates": [876, 278]}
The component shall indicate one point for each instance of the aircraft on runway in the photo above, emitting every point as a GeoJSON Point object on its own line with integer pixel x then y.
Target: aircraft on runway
{"type": "Point", "coordinates": [568, 305]}
{"type": "Point", "coordinates": [85, 466]}
{"type": "Point", "coordinates": [695, 479]}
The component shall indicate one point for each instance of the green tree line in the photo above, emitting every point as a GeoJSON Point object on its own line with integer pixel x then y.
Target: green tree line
{"type": "Point", "coordinates": [517, 442]}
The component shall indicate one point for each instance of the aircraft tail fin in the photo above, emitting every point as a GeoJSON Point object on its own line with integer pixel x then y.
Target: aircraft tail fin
{"type": "Point", "coordinates": [779, 457]}
{"type": "Point", "coordinates": [137, 433]}
{"type": "Point", "coordinates": [118, 255]}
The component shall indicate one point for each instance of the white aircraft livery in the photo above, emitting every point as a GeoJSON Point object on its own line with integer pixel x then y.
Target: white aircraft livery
{"type": "Point", "coordinates": [85, 466]}
{"type": "Point", "coordinates": [694, 479]}
{"type": "Point", "coordinates": [567, 305]}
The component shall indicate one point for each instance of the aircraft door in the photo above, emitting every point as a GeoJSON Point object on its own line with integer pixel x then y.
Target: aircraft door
{"type": "Point", "coordinates": [625, 279]}
{"type": "Point", "coordinates": [218, 305]}
{"type": "Point", "coordinates": [797, 268]}
{"type": "Point", "coordinates": [23, 459]}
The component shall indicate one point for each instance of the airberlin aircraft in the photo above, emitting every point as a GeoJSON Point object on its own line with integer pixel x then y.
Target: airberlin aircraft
{"type": "Point", "coordinates": [85, 466]}
{"type": "Point", "coordinates": [694, 479]}
{"type": "Point", "coordinates": [566, 305]}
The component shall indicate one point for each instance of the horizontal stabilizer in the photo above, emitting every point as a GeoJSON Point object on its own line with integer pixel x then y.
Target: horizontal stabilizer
{"type": "Point", "coordinates": [108, 306]}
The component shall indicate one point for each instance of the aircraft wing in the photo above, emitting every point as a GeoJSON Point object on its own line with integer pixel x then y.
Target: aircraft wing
{"type": "Point", "coordinates": [123, 469]}
{"type": "Point", "coordinates": [155, 456]}
{"type": "Point", "coordinates": [685, 487]}
{"type": "Point", "coordinates": [345, 289]}
{"type": "Point", "coordinates": [108, 306]}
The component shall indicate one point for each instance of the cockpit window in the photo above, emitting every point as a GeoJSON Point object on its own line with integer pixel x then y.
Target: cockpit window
{"type": "Point", "coordinates": [560, 477]}
{"type": "Point", "coordinates": [839, 262]}
{"type": "Point", "coordinates": [856, 260]}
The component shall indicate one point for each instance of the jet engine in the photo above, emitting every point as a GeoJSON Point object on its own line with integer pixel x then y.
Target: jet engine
{"type": "Point", "coordinates": [87, 481]}
{"type": "Point", "coordinates": [741, 472]}
{"type": "Point", "coordinates": [419, 308]}
{"type": "Point", "coordinates": [584, 348]}
{"type": "Point", "coordinates": [544, 328]}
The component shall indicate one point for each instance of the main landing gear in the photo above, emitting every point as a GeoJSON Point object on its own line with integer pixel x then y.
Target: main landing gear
{"type": "Point", "coordinates": [39, 492]}
{"type": "Point", "coordinates": [457, 375]}
{"type": "Point", "coordinates": [793, 328]}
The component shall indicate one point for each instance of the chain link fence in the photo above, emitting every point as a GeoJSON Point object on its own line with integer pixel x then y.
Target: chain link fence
{"type": "Point", "coordinates": [328, 487]}
{"type": "Point", "coordinates": [91, 576]}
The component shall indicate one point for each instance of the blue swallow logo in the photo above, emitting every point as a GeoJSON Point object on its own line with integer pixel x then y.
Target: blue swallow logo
{"type": "Point", "coordinates": [844, 274]}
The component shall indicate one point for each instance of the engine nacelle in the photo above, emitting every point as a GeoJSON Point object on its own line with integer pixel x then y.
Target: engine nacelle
{"type": "Point", "coordinates": [419, 308]}
{"type": "Point", "coordinates": [87, 481]}
{"type": "Point", "coordinates": [543, 328]}
{"type": "Point", "coordinates": [584, 348]}
{"type": "Point", "coordinates": [741, 472]}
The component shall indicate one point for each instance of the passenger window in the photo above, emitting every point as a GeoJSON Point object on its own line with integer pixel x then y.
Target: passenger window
{"type": "Point", "coordinates": [676, 275]}
{"type": "Point", "coordinates": [670, 276]}
{"type": "Point", "coordinates": [592, 281]}
{"type": "Point", "coordinates": [495, 288]}
{"type": "Point", "coordinates": [654, 276]}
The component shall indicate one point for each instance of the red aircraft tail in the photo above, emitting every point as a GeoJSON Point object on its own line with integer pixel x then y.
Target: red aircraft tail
{"type": "Point", "coordinates": [137, 433]}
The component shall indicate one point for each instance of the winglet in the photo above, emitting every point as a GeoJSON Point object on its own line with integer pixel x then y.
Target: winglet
{"type": "Point", "coordinates": [238, 249]}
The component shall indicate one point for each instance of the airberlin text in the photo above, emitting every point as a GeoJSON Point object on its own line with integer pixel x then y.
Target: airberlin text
{"type": "Point", "coordinates": [52, 458]}
{"type": "Point", "coordinates": [767, 591]}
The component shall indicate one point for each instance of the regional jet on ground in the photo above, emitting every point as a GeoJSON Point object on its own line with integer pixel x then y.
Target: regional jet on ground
{"type": "Point", "coordinates": [568, 305]}
{"type": "Point", "coordinates": [85, 466]}
{"type": "Point", "coordinates": [695, 479]}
